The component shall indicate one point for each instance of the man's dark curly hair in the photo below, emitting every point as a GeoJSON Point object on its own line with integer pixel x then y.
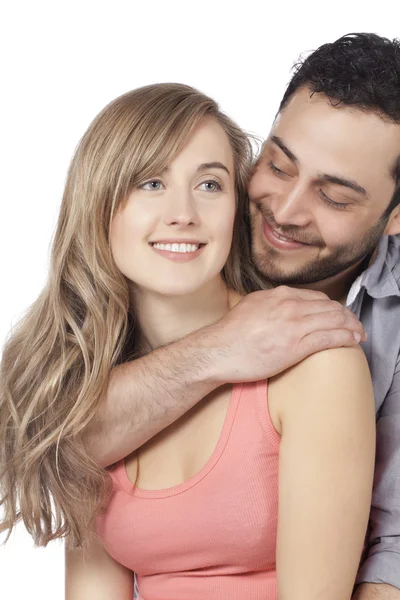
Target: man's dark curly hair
{"type": "Point", "coordinates": [360, 70]}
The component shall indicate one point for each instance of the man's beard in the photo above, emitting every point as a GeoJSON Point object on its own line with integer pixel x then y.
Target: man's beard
{"type": "Point", "coordinates": [266, 261]}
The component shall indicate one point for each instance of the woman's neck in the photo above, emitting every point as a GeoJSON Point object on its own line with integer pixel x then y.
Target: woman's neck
{"type": "Point", "coordinates": [163, 318]}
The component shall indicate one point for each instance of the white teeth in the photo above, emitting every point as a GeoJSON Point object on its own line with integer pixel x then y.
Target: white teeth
{"type": "Point", "coordinates": [177, 247]}
{"type": "Point", "coordinates": [282, 237]}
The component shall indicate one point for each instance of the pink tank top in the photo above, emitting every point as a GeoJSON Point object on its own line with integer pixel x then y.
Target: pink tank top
{"type": "Point", "coordinates": [213, 536]}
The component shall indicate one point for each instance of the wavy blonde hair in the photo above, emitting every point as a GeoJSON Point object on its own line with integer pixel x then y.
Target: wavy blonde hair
{"type": "Point", "coordinates": [56, 364]}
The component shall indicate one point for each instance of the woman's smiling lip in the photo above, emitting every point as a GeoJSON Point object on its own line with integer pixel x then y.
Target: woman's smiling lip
{"type": "Point", "coordinates": [177, 241]}
{"type": "Point", "coordinates": [180, 250]}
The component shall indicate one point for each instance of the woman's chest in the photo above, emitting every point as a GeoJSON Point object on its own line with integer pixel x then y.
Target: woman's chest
{"type": "Point", "coordinates": [181, 451]}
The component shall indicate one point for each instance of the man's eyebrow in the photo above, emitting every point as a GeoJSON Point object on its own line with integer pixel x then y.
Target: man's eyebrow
{"type": "Point", "coordinates": [334, 179]}
{"type": "Point", "coordinates": [212, 165]}
{"type": "Point", "coordinates": [349, 183]}
{"type": "Point", "coordinates": [280, 143]}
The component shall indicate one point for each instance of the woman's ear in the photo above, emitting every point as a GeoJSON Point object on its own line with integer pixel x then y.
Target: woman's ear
{"type": "Point", "coordinates": [393, 225]}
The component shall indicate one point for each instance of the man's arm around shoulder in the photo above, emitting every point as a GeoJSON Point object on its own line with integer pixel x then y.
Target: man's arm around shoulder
{"type": "Point", "coordinates": [264, 334]}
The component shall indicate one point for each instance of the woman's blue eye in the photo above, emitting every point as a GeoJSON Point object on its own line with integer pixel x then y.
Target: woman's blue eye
{"type": "Point", "coordinates": [154, 184]}
{"type": "Point", "coordinates": [211, 186]}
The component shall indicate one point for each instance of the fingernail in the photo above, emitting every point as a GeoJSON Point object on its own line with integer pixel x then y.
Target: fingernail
{"type": "Point", "coordinates": [357, 336]}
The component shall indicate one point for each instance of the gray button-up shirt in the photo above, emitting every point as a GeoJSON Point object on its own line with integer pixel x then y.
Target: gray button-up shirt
{"type": "Point", "coordinates": [375, 298]}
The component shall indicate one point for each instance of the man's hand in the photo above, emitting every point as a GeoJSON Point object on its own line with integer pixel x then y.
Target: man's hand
{"type": "Point", "coordinates": [269, 331]}
{"type": "Point", "coordinates": [376, 591]}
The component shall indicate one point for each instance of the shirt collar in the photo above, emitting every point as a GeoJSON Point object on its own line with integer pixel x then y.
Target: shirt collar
{"type": "Point", "coordinates": [379, 279]}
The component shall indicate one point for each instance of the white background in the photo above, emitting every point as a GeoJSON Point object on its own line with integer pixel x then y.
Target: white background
{"type": "Point", "coordinates": [62, 62]}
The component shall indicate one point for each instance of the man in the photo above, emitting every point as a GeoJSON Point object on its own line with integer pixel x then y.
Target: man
{"type": "Point", "coordinates": [325, 205]}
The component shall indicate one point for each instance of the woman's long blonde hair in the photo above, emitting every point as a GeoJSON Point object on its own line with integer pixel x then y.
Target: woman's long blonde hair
{"type": "Point", "coordinates": [56, 364]}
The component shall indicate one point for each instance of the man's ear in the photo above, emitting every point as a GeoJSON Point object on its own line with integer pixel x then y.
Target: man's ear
{"type": "Point", "coordinates": [393, 225]}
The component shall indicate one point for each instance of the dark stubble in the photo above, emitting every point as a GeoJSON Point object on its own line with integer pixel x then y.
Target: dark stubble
{"type": "Point", "coordinates": [266, 261]}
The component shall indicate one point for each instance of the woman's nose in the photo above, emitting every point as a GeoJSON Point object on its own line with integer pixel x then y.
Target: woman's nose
{"type": "Point", "coordinates": [181, 210]}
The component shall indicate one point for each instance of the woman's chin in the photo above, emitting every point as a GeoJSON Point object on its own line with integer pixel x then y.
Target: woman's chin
{"type": "Point", "coordinates": [179, 287]}
{"type": "Point", "coordinates": [176, 291]}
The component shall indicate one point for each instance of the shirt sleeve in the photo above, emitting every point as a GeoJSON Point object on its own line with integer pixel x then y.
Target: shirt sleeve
{"type": "Point", "coordinates": [382, 559]}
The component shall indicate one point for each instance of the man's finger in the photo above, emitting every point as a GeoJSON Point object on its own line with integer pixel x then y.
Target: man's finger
{"type": "Point", "coordinates": [302, 294]}
{"type": "Point", "coordinates": [310, 307]}
{"type": "Point", "coordinates": [323, 340]}
{"type": "Point", "coordinates": [331, 319]}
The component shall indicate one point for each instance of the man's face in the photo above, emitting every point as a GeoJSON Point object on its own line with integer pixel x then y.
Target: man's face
{"type": "Point", "coordinates": [320, 190]}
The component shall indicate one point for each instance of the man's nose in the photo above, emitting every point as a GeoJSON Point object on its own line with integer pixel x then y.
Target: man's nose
{"type": "Point", "coordinates": [292, 207]}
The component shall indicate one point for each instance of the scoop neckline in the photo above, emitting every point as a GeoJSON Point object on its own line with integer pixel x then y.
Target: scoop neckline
{"type": "Point", "coordinates": [131, 488]}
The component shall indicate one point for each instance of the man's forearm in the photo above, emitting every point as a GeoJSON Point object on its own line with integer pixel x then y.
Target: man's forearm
{"type": "Point", "coordinates": [148, 394]}
{"type": "Point", "coordinates": [376, 591]}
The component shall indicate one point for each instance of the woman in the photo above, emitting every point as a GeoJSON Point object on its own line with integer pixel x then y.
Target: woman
{"type": "Point", "coordinates": [148, 248]}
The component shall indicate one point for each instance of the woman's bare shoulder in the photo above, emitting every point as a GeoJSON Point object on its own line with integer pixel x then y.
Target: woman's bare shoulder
{"type": "Point", "coordinates": [326, 364]}
{"type": "Point", "coordinates": [332, 376]}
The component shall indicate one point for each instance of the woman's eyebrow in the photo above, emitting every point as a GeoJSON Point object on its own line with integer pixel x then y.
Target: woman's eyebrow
{"type": "Point", "coordinates": [213, 165]}
{"type": "Point", "coordinates": [206, 166]}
